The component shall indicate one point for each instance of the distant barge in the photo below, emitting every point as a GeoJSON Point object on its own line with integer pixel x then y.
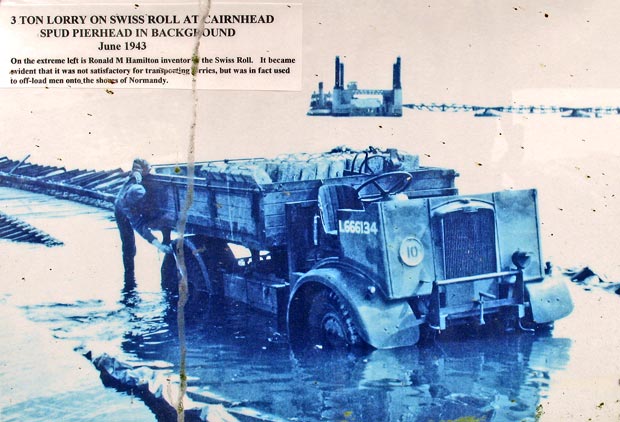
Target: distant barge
{"type": "Point", "coordinates": [352, 101]}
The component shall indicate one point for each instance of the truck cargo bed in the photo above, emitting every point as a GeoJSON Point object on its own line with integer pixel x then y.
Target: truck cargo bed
{"type": "Point", "coordinates": [243, 201]}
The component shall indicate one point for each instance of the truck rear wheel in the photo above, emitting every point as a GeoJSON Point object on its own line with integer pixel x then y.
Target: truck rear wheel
{"type": "Point", "coordinates": [170, 275]}
{"type": "Point", "coordinates": [330, 323]}
{"type": "Point", "coordinates": [218, 259]}
{"type": "Point", "coordinates": [205, 259]}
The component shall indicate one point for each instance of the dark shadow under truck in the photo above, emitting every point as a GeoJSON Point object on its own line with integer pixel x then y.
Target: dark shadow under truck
{"type": "Point", "coordinates": [361, 247]}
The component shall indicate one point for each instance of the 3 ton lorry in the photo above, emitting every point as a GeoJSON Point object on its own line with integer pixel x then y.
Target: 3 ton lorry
{"type": "Point", "coordinates": [360, 247]}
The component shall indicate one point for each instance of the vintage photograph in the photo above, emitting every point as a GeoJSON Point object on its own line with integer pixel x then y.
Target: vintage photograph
{"type": "Point", "coordinates": [311, 211]}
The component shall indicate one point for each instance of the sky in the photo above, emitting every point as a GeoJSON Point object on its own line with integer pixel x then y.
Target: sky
{"type": "Point", "coordinates": [469, 52]}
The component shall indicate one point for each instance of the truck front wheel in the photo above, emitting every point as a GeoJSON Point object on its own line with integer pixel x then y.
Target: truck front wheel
{"type": "Point", "coordinates": [330, 323]}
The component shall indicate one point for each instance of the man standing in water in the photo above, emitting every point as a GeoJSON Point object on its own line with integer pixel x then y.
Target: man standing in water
{"type": "Point", "coordinates": [131, 212]}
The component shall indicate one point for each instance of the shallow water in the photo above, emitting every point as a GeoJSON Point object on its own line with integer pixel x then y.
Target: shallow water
{"type": "Point", "coordinates": [76, 293]}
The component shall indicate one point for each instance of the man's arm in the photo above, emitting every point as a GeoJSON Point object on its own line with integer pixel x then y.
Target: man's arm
{"type": "Point", "coordinates": [140, 226]}
{"type": "Point", "coordinates": [163, 248]}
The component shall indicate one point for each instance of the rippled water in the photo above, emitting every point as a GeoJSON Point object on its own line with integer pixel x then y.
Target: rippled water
{"type": "Point", "coordinates": [237, 354]}
{"type": "Point", "coordinates": [76, 292]}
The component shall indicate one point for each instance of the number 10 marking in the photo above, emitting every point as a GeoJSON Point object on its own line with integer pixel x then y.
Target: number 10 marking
{"type": "Point", "coordinates": [411, 251]}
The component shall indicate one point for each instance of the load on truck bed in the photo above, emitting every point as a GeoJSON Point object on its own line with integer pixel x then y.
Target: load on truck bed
{"type": "Point", "coordinates": [244, 201]}
{"type": "Point", "coordinates": [359, 247]}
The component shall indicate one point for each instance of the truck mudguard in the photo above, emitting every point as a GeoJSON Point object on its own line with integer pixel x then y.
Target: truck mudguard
{"type": "Point", "coordinates": [381, 324]}
{"type": "Point", "coordinates": [195, 265]}
{"type": "Point", "coordinates": [549, 299]}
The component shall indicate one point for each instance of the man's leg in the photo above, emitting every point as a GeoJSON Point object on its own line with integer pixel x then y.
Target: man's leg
{"type": "Point", "coordinates": [166, 236]}
{"type": "Point", "coordinates": [128, 241]}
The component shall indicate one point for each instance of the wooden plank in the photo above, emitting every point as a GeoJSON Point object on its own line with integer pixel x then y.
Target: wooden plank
{"type": "Point", "coordinates": [86, 173]}
{"type": "Point", "coordinates": [65, 175]}
{"type": "Point", "coordinates": [110, 175]}
{"type": "Point", "coordinates": [54, 171]}
{"type": "Point", "coordinates": [290, 196]}
{"type": "Point", "coordinates": [28, 169]}
{"type": "Point", "coordinates": [100, 175]}
{"type": "Point", "coordinates": [48, 170]}
{"type": "Point", "coordinates": [112, 186]}
{"type": "Point", "coordinates": [243, 226]}
{"type": "Point", "coordinates": [7, 165]}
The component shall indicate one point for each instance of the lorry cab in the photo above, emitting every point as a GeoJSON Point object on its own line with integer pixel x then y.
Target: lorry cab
{"type": "Point", "coordinates": [434, 262]}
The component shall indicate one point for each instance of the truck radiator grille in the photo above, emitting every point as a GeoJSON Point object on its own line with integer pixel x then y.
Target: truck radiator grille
{"type": "Point", "coordinates": [469, 243]}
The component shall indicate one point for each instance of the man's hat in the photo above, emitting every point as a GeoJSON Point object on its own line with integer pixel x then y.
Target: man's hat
{"type": "Point", "coordinates": [141, 165]}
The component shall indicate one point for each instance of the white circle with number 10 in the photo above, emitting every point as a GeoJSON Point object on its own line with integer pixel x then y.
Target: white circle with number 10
{"type": "Point", "coordinates": [411, 251]}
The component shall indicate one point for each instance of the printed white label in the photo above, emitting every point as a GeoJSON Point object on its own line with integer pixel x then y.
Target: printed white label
{"type": "Point", "coordinates": [249, 46]}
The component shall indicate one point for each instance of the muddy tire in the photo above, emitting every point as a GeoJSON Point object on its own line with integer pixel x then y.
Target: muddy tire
{"type": "Point", "coordinates": [330, 323]}
{"type": "Point", "coordinates": [427, 334]}
{"type": "Point", "coordinates": [170, 275]}
{"type": "Point", "coordinates": [216, 256]}
{"type": "Point", "coordinates": [218, 259]}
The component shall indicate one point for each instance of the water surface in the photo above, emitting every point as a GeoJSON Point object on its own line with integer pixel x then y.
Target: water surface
{"type": "Point", "coordinates": [76, 294]}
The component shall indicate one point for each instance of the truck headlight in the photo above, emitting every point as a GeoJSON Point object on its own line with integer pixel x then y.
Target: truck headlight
{"type": "Point", "coordinates": [521, 259]}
